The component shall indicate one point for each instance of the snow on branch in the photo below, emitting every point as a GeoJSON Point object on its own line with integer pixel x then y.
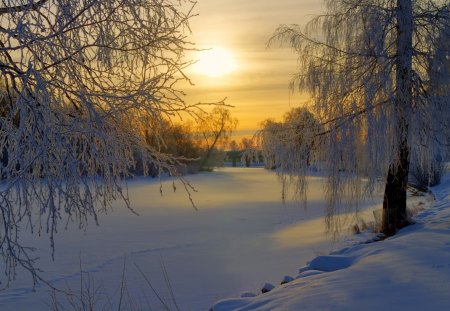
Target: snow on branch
{"type": "Point", "coordinates": [81, 83]}
{"type": "Point", "coordinates": [10, 8]}
{"type": "Point", "coordinates": [348, 60]}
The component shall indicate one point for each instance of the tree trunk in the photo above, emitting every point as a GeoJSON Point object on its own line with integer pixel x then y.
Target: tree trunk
{"type": "Point", "coordinates": [394, 203]}
{"type": "Point", "coordinates": [211, 148]}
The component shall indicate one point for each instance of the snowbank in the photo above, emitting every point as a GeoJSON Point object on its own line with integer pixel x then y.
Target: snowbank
{"type": "Point", "coordinates": [410, 271]}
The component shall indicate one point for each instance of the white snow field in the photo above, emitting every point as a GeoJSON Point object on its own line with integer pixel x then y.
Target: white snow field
{"type": "Point", "coordinates": [241, 237]}
{"type": "Point", "coordinates": [410, 271]}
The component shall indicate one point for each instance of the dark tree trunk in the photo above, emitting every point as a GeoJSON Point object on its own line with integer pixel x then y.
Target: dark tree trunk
{"type": "Point", "coordinates": [394, 203]}
{"type": "Point", "coordinates": [211, 148]}
{"type": "Point", "coordinates": [248, 161]}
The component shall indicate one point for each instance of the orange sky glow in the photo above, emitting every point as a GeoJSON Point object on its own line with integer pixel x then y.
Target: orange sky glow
{"type": "Point", "coordinates": [258, 84]}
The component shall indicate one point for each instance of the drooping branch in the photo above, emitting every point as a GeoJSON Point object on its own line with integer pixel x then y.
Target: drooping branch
{"type": "Point", "coordinates": [80, 82]}
{"type": "Point", "coordinates": [31, 6]}
{"type": "Point", "coordinates": [349, 63]}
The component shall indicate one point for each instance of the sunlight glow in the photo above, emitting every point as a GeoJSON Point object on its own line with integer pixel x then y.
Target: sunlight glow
{"type": "Point", "coordinates": [215, 62]}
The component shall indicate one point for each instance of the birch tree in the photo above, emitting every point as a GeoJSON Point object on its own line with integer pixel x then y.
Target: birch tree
{"type": "Point", "coordinates": [79, 82]}
{"type": "Point", "coordinates": [366, 64]}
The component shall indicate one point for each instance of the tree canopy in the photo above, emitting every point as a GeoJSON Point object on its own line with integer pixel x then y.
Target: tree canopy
{"type": "Point", "coordinates": [290, 146]}
{"type": "Point", "coordinates": [80, 80]}
{"type": "Point", "coordinates": [368, 68]}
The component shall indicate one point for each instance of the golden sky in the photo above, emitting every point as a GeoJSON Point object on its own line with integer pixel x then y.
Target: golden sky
{"type": "Point", "coordinates": [258, 87]}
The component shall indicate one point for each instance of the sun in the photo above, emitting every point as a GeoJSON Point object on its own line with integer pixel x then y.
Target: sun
{"type": "Point", "coordinates": [215, 62]}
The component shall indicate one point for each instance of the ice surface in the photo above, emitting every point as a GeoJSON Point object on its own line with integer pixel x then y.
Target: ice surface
{"type": "Point", "coordinates": [241, 237]}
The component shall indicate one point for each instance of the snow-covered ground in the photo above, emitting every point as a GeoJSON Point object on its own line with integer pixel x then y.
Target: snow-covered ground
{"type": "Point", "coordinates": [240, 237]}
{"type": "Point", "coordinates": [410, 271]}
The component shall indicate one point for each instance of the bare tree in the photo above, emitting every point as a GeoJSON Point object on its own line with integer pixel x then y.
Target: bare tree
{"type": "Point", "coordinates": [79, 81]}
{"type": "Point", "coordinates": [366, 65]}
{"type": "Point", "coordinates": [213, 130]}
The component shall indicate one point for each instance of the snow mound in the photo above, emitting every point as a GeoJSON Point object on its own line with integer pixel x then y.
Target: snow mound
{"type": "Point", "coordinates": [286, 279]}
{"type": "Point", "coordinates": [229, 304]}
{"type": "Point", "coordinates": [328, 263]}
{"type": "Point", "coordinates": [309, 273]}
{"type": "Point", "coordinates": [267, 288]}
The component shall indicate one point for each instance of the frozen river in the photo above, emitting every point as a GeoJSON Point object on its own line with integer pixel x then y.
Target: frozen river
{"type": "Point", "coordinates": [240, 237]}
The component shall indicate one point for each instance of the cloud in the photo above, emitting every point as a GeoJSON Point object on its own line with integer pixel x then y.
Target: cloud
{"type": "Point", "coordinates": [259, 86]}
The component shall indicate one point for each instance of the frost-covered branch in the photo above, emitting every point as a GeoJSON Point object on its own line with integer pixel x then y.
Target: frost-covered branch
{"type": "Point", "coordinates": [80, 82]}
{"type": "Point", "coordinates": [377, 72]}
{"type": "Point", "coordinates": [11, 7]}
